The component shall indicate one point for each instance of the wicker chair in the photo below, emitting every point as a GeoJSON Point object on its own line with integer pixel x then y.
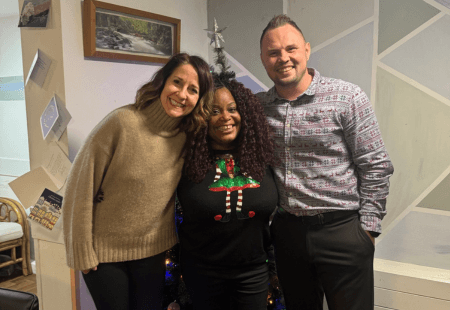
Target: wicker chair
{"type": "Point", "coordinates": [12, 212]}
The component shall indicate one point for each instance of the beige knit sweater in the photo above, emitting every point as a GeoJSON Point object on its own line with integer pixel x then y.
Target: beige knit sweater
{"type": "Point", "coordinates": [119, 200]}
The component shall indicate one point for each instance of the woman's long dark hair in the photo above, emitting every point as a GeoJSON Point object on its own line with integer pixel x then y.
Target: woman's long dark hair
{"type": "Point", "coordinates": [152, 90]}
{"type": "Point", "coordinates": [255, 147]}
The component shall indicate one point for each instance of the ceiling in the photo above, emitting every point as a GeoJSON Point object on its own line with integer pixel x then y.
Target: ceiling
{"type": "Point", "coordinates": [8, 8]}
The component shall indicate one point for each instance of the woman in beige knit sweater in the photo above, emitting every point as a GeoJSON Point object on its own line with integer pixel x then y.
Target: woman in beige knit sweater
{"type": "Point", "coordinates": [118, 209]}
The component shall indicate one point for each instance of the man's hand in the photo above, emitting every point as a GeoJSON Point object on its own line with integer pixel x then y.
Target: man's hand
{"type": "Point", "coordinates": [370, 236]}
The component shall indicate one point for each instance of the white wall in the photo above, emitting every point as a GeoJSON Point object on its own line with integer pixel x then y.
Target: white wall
{"type": "Point", "coordinates": [93, 88]}
{"type": "Point", "coordinates": [10, 46]}
{"type": "Point", "coordinates": [14, 157]}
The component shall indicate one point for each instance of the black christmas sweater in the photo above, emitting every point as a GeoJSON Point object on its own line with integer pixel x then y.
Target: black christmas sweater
{"type": "Point", "coordinates": [228, 227]}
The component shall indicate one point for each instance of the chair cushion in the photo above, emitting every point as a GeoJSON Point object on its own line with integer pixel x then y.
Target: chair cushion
{"type": "Point", "coordinates": [10, 231]}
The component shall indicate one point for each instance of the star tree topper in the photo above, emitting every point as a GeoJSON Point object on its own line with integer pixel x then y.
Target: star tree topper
{"type": "Point", "coordinates": [216, 35]}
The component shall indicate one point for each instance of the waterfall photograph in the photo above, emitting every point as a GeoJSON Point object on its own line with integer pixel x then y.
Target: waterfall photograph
{"type": "Point", "coordinates": [126, 34]}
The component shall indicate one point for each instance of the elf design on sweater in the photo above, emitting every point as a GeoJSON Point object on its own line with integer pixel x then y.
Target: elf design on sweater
{"type": "Point", "coordinates": [227, 180]}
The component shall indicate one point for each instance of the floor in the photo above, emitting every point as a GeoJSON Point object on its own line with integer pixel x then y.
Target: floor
{"type": "Point", "coordinates": [17, 281]}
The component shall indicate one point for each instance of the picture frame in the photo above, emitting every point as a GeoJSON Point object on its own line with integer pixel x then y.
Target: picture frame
{"type": "Point", "coordinates": [115, 32]}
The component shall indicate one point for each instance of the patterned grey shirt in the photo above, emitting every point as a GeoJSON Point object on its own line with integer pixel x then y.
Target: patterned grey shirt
{"type": "Point", "coordinates": [330, 152]}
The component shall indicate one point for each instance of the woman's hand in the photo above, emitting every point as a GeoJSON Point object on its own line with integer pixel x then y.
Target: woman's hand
{"type": "Point", "coordinates": [173, 306]}
{"type": "Point", "coordinates": [87, 270]}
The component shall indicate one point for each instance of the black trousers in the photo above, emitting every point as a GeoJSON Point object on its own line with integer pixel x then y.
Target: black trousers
{"type": "Point", "coordinates": [136, 284]}
{"type": "Point", "coordinates": [334, 258]}
{"type": "Point", "coordinates": [239, 288]}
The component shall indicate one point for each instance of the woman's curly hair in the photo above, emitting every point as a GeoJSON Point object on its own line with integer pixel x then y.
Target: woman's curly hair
{"type": "Point", "coordinates": [255, 148]}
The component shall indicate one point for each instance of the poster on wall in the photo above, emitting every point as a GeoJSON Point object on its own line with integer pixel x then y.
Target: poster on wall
{"type": "Point", "coordinates": [117, 32]}
{"type": "Point", "coordinates": [47, 210]}
{"type": "Point", "coordinates": [54, 120]}
{"type": "Point", "coordinates": [34, 13]}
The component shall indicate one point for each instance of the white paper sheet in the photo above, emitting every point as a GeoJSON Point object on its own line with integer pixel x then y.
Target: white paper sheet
{"type": "Point", "coordinates": [30, 186]}
{"type": "Point", "coordinates": [39, 68]}
{"type": "Point", "coordinates": [57, 164]}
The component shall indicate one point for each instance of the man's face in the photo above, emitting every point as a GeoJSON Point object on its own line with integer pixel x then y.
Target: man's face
{"type": "Point", "coordinates": [284, 54]}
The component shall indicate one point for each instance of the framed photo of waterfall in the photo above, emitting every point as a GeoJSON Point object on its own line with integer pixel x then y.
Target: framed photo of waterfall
{"type": "Point", "coordinates": [115, 32]}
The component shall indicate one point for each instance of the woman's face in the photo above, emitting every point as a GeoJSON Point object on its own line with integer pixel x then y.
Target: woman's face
{"type": "Point", "coordinates": [225, 121]}
{"type": "Point", "coordinates": [181, 91]}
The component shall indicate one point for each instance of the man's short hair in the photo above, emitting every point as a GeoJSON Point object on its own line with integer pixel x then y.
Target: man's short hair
{"type": "Point", "coordinates": [278, 21]}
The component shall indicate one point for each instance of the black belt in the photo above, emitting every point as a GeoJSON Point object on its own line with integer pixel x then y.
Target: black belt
{"type": "Point", "coordinates": [318, 219]}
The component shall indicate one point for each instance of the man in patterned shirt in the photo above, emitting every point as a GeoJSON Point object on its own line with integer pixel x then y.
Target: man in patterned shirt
{"type": "Point", "coordinates": [332, 175]}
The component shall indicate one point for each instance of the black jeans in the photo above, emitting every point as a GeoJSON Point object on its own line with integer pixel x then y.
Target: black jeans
{"type": "Point", "coordinates": [136, 284]}
{"type": "Point", "coordinates": [234, 288]}
{"type": "Point", "coordinates": [334, 258]}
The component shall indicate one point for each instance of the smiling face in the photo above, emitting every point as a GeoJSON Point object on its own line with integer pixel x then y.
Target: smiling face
{"type": "Point", "coordinates": [284, 54]}
{"type": "Point", "coordinates": [181, 91]}
{"type": "Point", "coordinates": [225, 121]}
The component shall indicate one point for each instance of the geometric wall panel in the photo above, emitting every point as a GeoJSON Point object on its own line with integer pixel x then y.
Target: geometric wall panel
{"type": "Point", "coordinates": [244, 76]}
{"type": "Point", "coordinates": [251, 84]}
{"type": "Point", "coordinates": [425, 57]}
{"type": "Point", "coordinates": [245, 21]}
{"type": "Point", "coordinates": [416, 132]}
{"type": "Point", "coordinates": [349, 58]}
{"type": "Point", "coordinates": [420, 239]}
{"type": "Point", "coordinates": [445, 3]}
{"type": "Point", "coordinates": [439, 197]}
{"type": "Point", "coordinates": [399, 18]}
{"type": "Point", "coordinates": [322, 20]}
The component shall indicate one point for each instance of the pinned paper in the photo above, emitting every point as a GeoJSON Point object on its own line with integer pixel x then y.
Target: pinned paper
{"type": "Point", "coordinates": [30, 186]}
{"type": "Point", "coordinates": [34, 13]}
{"type": "Point", "coordinates": [47, 209]}
{"type": "Point", "coordinates": [57, 164]}
{"type": "Point", "coordinates": [54, 120]}
{"type": "Point", "coordinates": [39, 68]}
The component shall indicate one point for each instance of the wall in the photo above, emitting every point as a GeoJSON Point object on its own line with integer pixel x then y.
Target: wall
{"type": "Point", "coordinates": [245, 21]}
{"type": "Point", "coordinates": [90, 89]}
{"type": "Point", "coordinates": [93, 88]}
{"type": "Point", "coordinates": [14, 160]}
{"type": "Point", "coordinates": [413, 102]}
{"type": "Point", "coordinates": [397, 52]}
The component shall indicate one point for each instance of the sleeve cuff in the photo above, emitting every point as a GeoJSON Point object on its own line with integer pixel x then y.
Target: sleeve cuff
{"type": "Point", "coordinates": [83, 256]}
{"type": "Point", "coordinates": [371, 223]}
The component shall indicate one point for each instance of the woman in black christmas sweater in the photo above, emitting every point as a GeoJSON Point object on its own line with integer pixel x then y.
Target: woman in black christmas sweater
{"type": "Point", "coordinates": [227, 194]}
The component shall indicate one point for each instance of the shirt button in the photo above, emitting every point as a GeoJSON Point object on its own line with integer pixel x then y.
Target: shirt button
{"type": "Point", "coordinates": [288, 125]}
{"type": "Point", "coordinates": [288, 148]}
{"type": "Point", "coordinates": [289, 171]}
